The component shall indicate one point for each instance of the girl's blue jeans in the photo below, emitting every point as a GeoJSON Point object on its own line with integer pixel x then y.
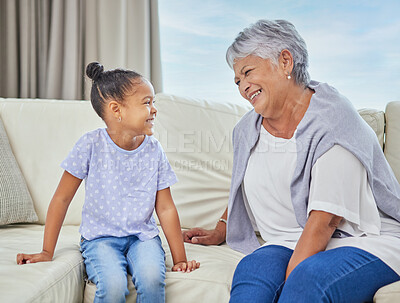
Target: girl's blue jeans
{"type": "Point", "coordinates": [344, 274]}
{"type": "Point", "coordinates": [108, 260]}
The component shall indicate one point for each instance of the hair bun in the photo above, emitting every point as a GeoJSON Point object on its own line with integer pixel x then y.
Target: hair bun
{"type": "Point", "coordinates": [94, 70]}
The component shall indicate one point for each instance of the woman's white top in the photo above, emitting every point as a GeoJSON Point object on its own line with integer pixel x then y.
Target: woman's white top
{"type": "Point", "coordinates": [339, 186]}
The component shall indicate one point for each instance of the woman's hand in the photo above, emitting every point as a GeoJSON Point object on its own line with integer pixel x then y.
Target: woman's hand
{"type": "Point", "coordinates": [44, 256]}
{"type": "Point", "coordinates": [186, 266]}
{"type": "Point", "coordinates": [203, 236]}
{"type": "Point", "coordinates": [214, 236]}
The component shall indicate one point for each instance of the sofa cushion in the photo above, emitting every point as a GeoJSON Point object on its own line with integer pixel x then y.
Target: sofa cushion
{"type": "Point", "coordinates": [211, 282]}
{"type": "Point", "coordinates": [40, 282]}
{"type": "Point", "coordinates": [388, 294]}
{"type": "Point", "coordinates": [16, 205]}
{"type": "Point", "coordinates": [64, 277]}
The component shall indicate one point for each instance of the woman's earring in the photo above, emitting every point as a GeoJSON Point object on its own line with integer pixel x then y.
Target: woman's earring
{"type": "Point", "coordinates": [289, 77]}
{"type": "Point", "coordinates": [119, 119]}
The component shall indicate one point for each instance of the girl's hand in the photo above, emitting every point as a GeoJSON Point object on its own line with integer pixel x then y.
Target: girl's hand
{"type": "Point", "coordinates": [186, 266]}
{"type": "Point", "coordinates": [33, 258]}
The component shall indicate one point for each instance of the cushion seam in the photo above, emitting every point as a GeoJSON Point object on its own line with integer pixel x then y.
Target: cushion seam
{"type": "Point", "coordinates": [201, 280]}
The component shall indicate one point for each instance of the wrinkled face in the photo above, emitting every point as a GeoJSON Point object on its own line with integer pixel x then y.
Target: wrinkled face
{"type": "Point", "coordinates": [261, 83]}
{"type": "Point", "coordinates": [138, 111]}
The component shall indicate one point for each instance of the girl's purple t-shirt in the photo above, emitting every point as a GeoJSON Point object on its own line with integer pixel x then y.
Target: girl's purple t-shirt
{"type": "Point", "coordinates": [120, 185]}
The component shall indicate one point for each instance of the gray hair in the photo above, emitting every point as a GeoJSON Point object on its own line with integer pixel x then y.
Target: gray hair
{"type": "Point", "coordinates": [266, 39]}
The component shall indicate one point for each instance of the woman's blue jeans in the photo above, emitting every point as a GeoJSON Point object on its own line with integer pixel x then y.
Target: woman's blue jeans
{"type": "Point", "coordinates": [109, 259]}
{"type": "Point", "coordinates": [344, 274]}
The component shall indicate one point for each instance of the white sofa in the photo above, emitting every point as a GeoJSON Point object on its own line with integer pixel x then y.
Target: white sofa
{"type": "Point", "coordinates": [196, 136]}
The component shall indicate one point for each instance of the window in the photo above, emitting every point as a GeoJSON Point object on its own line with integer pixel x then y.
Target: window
{"type": "Point", "coordinates": [353, 45]}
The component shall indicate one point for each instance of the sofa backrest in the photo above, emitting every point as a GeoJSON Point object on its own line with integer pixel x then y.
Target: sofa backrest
{"type": "Point", "coordinates": [392, 141]}
{"type": "Point", "coordinates": [195, 134]}
{"type": "Point", "coordinates": [197, 138]}
{"type": "Point", "coordinates": [41, 133]}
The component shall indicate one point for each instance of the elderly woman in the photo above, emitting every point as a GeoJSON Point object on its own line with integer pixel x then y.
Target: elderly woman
{"type": "Point", "coordinates": [310, 176]}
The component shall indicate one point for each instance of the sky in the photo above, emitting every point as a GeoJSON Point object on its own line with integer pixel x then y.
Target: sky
{"type": "Point", "coordinates": [352, 45]}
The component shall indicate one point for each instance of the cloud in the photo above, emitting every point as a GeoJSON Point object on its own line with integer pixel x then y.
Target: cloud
{"type": "Point", "coordinates": [352, 45]}
{"type": "Point", "coordinates": [204, 18]}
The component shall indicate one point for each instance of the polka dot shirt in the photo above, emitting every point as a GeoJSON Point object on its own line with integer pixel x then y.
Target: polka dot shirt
{"type": "Point", "coordinates": [120, 185]}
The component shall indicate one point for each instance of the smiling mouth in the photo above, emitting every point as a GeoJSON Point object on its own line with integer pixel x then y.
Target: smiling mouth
{"type": "Point", "coordinates": [255, 94]}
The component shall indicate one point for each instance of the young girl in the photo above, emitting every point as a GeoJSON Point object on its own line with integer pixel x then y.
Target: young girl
{"type": "Point", "coordinates": [127, 176]}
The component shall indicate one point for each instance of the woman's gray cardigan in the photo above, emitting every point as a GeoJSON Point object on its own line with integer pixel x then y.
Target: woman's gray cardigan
{"type": "Point", "coordinates": [330, 119]}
